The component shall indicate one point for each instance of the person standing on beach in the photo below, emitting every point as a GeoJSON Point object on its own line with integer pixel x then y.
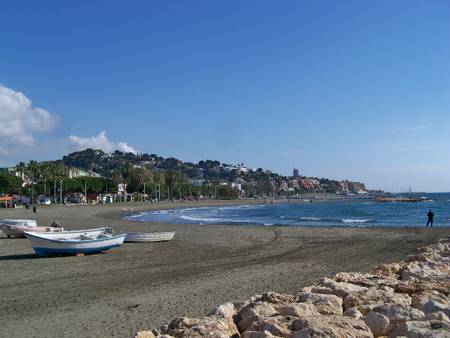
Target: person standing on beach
{"type": "Point", "coordinates": [430, 216]}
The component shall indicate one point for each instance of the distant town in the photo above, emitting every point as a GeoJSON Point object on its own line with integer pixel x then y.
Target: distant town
{"type": "Point", "coordinates": [93, 176]}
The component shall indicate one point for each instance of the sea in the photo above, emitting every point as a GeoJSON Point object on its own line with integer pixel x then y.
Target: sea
{"type": "Point", "coordinates": [354, 212]}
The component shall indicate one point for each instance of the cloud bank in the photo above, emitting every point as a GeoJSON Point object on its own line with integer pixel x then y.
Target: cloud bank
{"type": "Point", "coordinates": [20, 120]}
{"type": "Point", "coordinates": [101, 142]}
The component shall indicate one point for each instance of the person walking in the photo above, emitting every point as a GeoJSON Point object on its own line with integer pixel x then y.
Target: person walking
{"type": "Point", "coordinates": [430, 216]}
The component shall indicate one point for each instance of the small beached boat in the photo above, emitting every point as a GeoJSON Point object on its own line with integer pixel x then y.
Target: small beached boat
{"type": "Point", "coordinates": [19, 231]}
{"type": "Point", "coordinates": [17, 227]}
{"type": "Point", "coordinates": [77, 233]}
{"type": "Point", "coordinates": [22, 222]}
{"type": "Point", "coordinates": [48, 244]}
{"type": "Point", "coordinates": [142, 237]}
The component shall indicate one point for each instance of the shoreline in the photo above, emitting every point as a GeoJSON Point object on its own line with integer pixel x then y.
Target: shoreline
{"type": "Point", "coordinates": [145, 285]}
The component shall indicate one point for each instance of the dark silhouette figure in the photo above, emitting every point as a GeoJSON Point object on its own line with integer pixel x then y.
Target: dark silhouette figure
{"type": "Point", "coordinates": [34, 208]}
{"type": "Point", "coordinates": [430, 216]}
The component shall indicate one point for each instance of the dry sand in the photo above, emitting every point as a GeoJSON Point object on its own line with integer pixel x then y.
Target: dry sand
{"type": "Point", "coordinates": [140, 286]}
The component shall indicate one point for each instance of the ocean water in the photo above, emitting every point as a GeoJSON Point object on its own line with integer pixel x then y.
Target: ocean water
{"type": "Point", "coordinates": [337, 213]}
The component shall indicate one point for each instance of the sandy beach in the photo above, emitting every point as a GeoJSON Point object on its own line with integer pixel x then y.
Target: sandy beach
{"type": "Point", "coordinates": [140, 286]}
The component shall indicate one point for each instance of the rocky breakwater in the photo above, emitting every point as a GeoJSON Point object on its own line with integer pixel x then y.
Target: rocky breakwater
{"type": "Point", "coordinates": [406, 299]}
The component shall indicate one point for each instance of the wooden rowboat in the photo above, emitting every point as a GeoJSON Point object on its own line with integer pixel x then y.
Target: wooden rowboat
{"type": "Point", "coordinates": [46, 245]}
{"type": "Point", "coordinates": [17, 227]}
{"type": "Point", "coordinates": [76, 233]}
{"type": "Point", "coordinates": [19, 231]}
{"type": "Point", "coordinates": [143, 237]}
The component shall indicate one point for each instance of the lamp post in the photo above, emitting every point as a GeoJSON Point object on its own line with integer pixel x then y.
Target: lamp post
{"type": "Point", "coordinates": [60, 192]}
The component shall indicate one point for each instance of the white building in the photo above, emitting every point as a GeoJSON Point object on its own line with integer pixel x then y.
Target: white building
{"type": "Point", "coordinates": [76, 172]}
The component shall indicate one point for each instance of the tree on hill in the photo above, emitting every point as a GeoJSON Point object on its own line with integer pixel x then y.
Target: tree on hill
{"type": "Point", "coordinates": [9, 184]}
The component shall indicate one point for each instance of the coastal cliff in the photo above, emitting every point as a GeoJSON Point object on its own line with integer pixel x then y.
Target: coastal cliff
{"type": "Point", "coordinates": [406, 299]}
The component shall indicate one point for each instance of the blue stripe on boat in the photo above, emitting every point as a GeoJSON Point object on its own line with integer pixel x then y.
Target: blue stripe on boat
{"type": "Point", "coordinates": [42, 251]}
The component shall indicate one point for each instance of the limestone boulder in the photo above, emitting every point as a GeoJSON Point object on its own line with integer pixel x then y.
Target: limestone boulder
{"type": "Point", "coordinates": [277, 298]}
{"type": "Point", "coordinates": [413, 286]}
{"type": "Point", "coordinates": [398, 315]}
{"type": "Point", "coordinates": [254, 312]}
{"type": "Point", "coordinates": [257, 334]}
{"type": "Point", "coordinates": [324, 303]}
{"type": "Point", "coordinates": [353, 313]}
{"type": "Point", "coordinates": [388, 270]}
{"type": "Point", "coordinates": [210, 326]}
{"type": "Point", "coordinates": [366, 279]}
{"type": "Point", "coordinates": [366, 300]}
{"type": "Point", "coordinates": [330, 327]}
{"type": "Point", "coordinates": [378, 323]}
{"type": "Point", "coordinates": [434, 306]}
{"type": "Point", "coordinates": [297, 309]}
{"type": "Point", "coordinates": [422, 329]}
{"type": "Point", "coordinates": [419, 299]}
{"type": "Point", "coordinates": [226, 310]}
{"type": "Point", "coordinates": [426, 272]}
{"type": "Point", "coordinates": [340, 289]}
{"type": "Point", "coordinates": [277, 326]}
{"type": "Point", "coordinates": [439, 316]}
{"type": "Point", "coordinates": [144, 334]}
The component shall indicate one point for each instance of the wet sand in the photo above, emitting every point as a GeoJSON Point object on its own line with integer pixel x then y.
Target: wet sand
{"type": "Point", "coordinates": [140, 286]}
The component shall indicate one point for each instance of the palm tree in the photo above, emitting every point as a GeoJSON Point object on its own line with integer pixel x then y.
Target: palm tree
{"type": "Point", "coordinates": [21, 167]}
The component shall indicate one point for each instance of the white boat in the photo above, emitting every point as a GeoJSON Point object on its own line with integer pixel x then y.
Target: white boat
{"type": "Point", "coordinates": [48, 244]}
{"type": "Point", "coordinates": [17, 227]}
{"type": "Point", "coordinates": [19, 231]}
{"type": "Point", "coordinates": [142, 237]}
{"type": "Point", "coordinates": [21, 222]}
{"type": "Point", "coordinates": [77, 233]}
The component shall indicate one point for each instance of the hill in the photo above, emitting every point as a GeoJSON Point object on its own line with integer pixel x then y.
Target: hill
{"type": "Point", "coordinates": [172, 176]}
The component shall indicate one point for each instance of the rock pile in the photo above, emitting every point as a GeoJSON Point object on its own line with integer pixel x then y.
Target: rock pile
{"type": "Point", "coordinates": [407, 299]}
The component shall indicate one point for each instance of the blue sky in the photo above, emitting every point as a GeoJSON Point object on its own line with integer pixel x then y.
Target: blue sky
{"type": "Point", "coordinates": [348, 89]}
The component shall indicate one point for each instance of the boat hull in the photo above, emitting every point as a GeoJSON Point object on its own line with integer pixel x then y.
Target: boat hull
{"type": "Point", "coordinates": [47, 246]}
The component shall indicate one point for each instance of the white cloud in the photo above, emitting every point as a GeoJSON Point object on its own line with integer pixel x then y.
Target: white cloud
{"type": "Point", "coordinates": [122, 146]}
{"type": "Point", "coordinates": [101, 142]}
{"type": "Point", "coordinates": [19, 119]}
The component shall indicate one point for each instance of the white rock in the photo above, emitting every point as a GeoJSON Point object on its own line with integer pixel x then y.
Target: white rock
{"type": "Point", "coordinates": [440, 316]}
{"type": "Point", "coordinates": [211, 326]}
{"type": "Point", "coordinates": [368, 299]}
{"type": "Point", "coordinates": [325, 304]}
{"type": "Point", "coordinates": [398, 314]}
{"type": "Point", "coordinates": [433, 306]}
{"type": "Point", "coordinates": [297, 309]}
{"type": "Point", "coordinates": [253, 312]}
{"type": "Point", "coordinates": [278, 326]}
{"type": "Point", "coordinates": [340, 289]}
{"type": "Point", "coordinates": [226, 310]}
{"type": "Point", "coordinates": [331, 327]}
{"type": "Point", "coordinates": [422, 329]}
{"type": "Point", "coordinates": [353, 313]}
{"type": "Point", "coordinates": [277, 298]}
{"type": "Point", "coordinates": [257, 334]}
{"type": "Point", "coordinates": [144, 334]}
{"type": "Point", "coordinates": [378, 323]}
